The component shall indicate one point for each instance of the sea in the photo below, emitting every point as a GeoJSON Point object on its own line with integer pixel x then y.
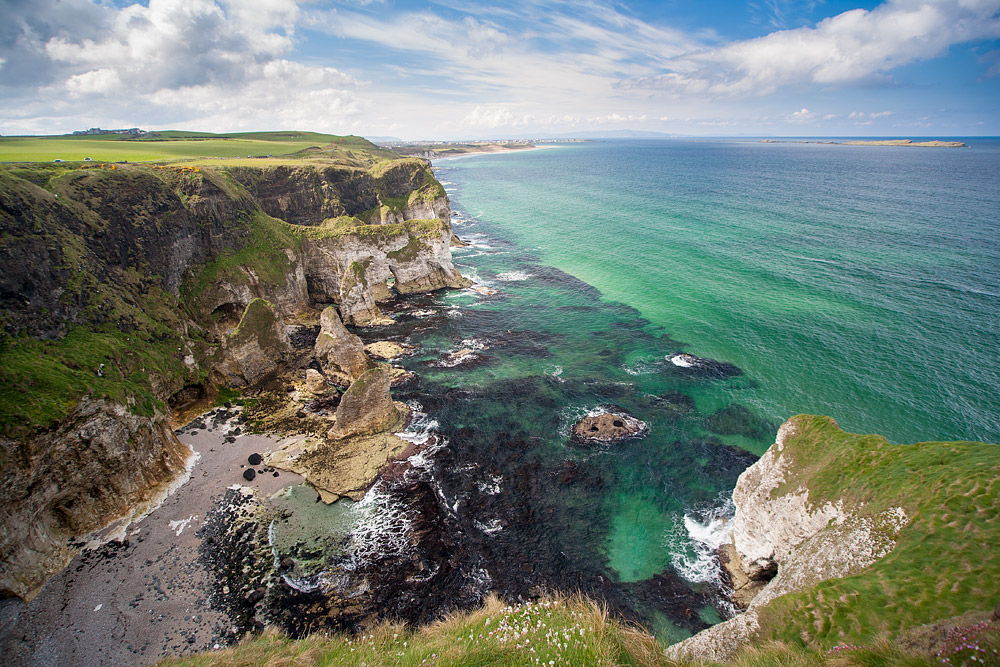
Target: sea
{"type": "Point", "coordinates": [710, 289]}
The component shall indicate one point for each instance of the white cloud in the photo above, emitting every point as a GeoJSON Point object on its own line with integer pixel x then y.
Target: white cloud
{"type": "Point", "coordinates": [847, 48]}
{"type": "Point", "coordinates": [212, 64]}
{"type": "Point", "coordinates": [802, 116]}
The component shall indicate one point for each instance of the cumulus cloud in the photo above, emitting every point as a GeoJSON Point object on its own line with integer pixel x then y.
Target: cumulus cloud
{"type": "Point", "coordinates": [850, 47]}
{"type": "Point", "coordinates": [802, 116]}
{"type": "Point", "coordinates": [218, 63]}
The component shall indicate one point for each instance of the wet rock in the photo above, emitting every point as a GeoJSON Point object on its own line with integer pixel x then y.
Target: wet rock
{"type": "Point", "coordinates": [399, 377]}
{"type": "Point", "coordinates": [688, 364]}
{"type": "Point", "coordinates": [605, 426]}
{"type": "Point", "coordinates": [388, 350]}
{"type": "Point", "coordinates": [303, 337]}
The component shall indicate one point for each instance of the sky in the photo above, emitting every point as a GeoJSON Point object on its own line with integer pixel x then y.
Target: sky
{"type": "Point", "coordinates": [461, 69]}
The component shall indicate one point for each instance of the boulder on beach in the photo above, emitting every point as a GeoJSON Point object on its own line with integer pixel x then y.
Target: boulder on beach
{"type": "Point", "coordinates": [607, 426]}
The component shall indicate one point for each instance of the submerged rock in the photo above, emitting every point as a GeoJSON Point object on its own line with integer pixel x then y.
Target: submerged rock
{"type": "Point", "coordinates": [688, 364]}
{"type": "Point", "coordinates": [605, 426]}
{"type": "Point", "coordinates": [738, 420]}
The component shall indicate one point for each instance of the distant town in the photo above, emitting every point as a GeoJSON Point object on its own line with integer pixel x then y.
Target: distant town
{"type": "Point", "coordinates": [132, 131]}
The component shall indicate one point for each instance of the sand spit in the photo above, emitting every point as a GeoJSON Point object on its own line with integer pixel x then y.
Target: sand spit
{"type": "Point", "coordinates": [145, 597]}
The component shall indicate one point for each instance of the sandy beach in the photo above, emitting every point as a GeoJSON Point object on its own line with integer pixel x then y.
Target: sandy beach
{"type": "Point", "coordinates": [136, 601]}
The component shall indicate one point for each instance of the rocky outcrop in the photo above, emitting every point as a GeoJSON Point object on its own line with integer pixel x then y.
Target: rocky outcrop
{"type": "Point", "coordinates": [791, 541]}
{"type": "Point", "coordinates": [354, 267]}
{"type": "Point", "coordinates": [340, 353]}
{"type": "Point", "coordinates": [388, 350]}
{"type": "Point", "coordinates": [256, 348]}
{"type": "Point", "coordinates": [339, 468]}
{"type": "Point", "coordinates": [102, 465]}
{"type": "Point", "coordinates": [606, 425]}
{"type": "Point", "coordinates": [346, 462]}
{"type": "Point", "coordinates": [367, 407]}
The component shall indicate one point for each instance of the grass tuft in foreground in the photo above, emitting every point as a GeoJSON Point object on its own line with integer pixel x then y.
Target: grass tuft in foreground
{"type": "Point", "coordinates": [560, 631]}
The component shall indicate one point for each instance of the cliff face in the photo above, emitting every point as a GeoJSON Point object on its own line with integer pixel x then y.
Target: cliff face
{"type": "Point", "coordinates": [840, 526]}
{"type": "Point", "coordinates": [99, 464]}
{"type": "Point", "coordinates": [126, 288]}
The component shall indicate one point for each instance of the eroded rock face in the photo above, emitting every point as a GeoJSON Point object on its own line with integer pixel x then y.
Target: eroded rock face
{"type": "Point", "coordinates": [100, 465]}
{"type": "Point", "coordinates": [340, 353]}
{"type": "Point", "coordinates": [607, 426]}
{"type": "Point", "coordinates": [353, 270]}
{"type": "Point", "coordinates": [367, 408]}
{"type": "Point", "coordinates": [782, 538]}
{"type": "Point", "coordinates": [256, 348]}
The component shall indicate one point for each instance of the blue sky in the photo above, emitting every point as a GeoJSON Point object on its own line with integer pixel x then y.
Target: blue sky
{"type": "Point", "coordinates": [456, 69]}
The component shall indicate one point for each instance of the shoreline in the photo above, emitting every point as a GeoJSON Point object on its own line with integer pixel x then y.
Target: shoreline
{"type": "Point", "coordinates": [492, 152]}
{"type": "Point", "coordinates": [146, 597]}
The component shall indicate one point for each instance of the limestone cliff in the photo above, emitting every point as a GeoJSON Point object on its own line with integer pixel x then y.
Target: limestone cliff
{"type": "Point", "coordinates": [340, 353]}
{"type": "Point", "coordinates": [100, 463]}
{"type": "Point", "coordinates": [131, 286]}
{"type": "Point", "coordinates": [839, 526]}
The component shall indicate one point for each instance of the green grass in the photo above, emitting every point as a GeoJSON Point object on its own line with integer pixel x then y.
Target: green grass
{"type": "Point", "coordinates": [941, 565]}
{"type": "Point", "coordinates": [566, 632]}
{"type": "Point", "coordinates": [264, 253]}
{"type": "Point", "coordinates": [179, 145]}
{"type": "Point", "coordinates": [41, 381]}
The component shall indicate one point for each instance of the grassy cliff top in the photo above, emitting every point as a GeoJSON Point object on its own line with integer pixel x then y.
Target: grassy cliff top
{"type": "Point", "coordinates": [551, 632]}
{"type": "Point", "coordinates": [941, 565]}
{"type": "Point", "coordinates": [195, 147]}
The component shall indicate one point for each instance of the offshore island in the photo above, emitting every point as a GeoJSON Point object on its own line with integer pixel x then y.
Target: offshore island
{"type": "Point", "coordinates": [211, 430]}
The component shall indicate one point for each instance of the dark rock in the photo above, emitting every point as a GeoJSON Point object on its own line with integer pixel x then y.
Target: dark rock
{"type": "Point", "coordinates": [688, 364]}
{"type": "Point", "coordinates": [677, 402]}
{"type": "Point", "coordinates": [255, 459]}
{"type": "Point", "coordinates": [256, 595]}
{"type": "Point", "coordinates": [249, 474]}
{"type": "Point", "coordinates": [738, 420]}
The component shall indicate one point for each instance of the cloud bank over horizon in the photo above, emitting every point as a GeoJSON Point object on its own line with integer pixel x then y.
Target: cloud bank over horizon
{"type": "Point", "coordinates": [459, 69]}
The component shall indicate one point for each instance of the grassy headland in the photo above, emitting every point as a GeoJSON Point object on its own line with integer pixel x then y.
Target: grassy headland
{"type": "Point", "coordinates": [180, 146]}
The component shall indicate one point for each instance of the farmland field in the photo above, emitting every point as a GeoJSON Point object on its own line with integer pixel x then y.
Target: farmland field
{"type": "Point", "coordinates": [173, 146]}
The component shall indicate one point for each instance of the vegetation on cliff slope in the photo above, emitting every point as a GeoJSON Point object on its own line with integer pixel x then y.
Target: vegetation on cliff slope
{"type": "Point", "coordinates": [94, 299]}
{"type": "Point", "coordinates": [941, 564]}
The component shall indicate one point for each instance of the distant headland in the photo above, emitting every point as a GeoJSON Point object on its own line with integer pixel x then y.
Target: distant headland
{"type": "Point", "coordinates": [935, 143]}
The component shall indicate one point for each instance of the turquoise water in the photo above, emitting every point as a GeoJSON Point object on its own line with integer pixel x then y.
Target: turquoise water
{"type": "Point", "coordinates": [862, 283]}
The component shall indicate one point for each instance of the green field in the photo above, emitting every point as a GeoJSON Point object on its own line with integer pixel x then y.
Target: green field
{"type": "Point", "coordinates": [171, 146]}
